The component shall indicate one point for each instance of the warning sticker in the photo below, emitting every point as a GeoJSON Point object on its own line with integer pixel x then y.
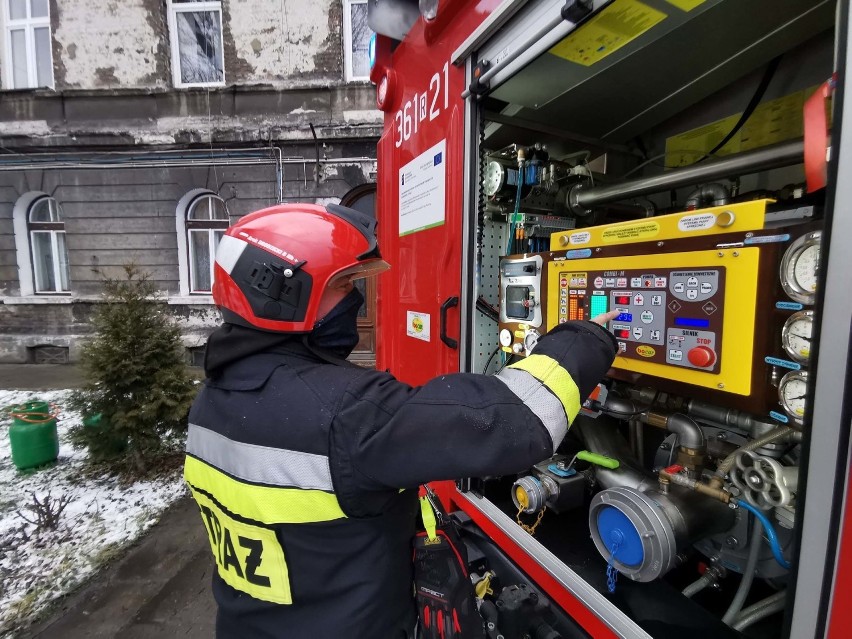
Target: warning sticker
{"type": "Point", "coordinates": [620, 23]}
{"type": "Point", "coordinates": [772, 122]}
{"type": "Point", "coordinates": [631, 232]}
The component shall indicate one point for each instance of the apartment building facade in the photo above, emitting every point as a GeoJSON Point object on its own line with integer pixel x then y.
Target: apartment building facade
{"type": "Point", "coordinates": [136, 131]}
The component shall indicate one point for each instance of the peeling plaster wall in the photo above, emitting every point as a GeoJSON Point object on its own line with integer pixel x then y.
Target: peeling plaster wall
{"type": "Point", "coordinates": [109, 44]}
{"type": "Point", "coordinates": [280, 41]}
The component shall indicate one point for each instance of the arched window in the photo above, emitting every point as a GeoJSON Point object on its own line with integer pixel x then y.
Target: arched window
{"type": "Point", "coordinates": [48, 251]}
{"type": "Point", "coordinates": [206, 221]}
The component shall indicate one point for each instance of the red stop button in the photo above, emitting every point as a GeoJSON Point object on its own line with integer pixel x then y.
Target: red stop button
{"type": "Point", "coordinates": [701, 356]}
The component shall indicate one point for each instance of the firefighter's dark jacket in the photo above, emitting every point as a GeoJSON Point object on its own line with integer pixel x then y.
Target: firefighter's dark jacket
{"type": "Point", "coordinates": [297, 466]}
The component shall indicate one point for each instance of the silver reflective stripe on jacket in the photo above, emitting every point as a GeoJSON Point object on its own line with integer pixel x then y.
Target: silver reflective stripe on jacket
{"type": "Point", "coordinates": [259, 464]}
{"type": "Point", "coordinates": [539, 399]}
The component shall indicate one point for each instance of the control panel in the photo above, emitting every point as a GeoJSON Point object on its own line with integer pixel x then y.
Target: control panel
{"type": "Point", "coordinates": [669, 316]}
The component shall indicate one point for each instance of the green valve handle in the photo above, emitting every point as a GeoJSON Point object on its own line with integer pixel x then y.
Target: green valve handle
{"type": "Point", "coordinates": [599, 460]}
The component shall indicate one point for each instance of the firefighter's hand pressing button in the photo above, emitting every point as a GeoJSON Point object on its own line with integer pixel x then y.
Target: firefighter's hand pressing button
{"type": "Point", "coordinates": [603, 318]}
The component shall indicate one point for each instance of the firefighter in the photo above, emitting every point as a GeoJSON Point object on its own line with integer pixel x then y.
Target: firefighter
{"type": "Point", "coordinates": [306, 468]}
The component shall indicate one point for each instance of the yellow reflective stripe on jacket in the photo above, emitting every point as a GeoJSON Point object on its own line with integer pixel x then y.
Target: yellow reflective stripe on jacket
{"type": "Point", "coordinates": [264, 504]}
{"type": "Point", "coordinates": [548, 371]}
{"type": "Point", "coordinates": [248, 558]}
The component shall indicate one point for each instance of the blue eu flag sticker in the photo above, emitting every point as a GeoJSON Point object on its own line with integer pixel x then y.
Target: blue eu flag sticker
{"type": "Point", "coordinates": [437, 158]}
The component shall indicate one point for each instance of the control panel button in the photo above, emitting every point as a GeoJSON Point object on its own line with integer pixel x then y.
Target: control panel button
{"type": "Point", "coordinates": [701, 356]}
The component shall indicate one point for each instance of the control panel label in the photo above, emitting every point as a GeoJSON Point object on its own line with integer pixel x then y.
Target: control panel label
{"type": "Point", "coordinates": [577, 254]}
{"type": "Point", "coordinates": [631, 232]}
{"type": "Point", "coordinates": [697, 222]}
{"type": "Point", "coordinates": [581, 237]}
{"type": "Point", "coordinates": [789, 306]}
{"type": "Point", "coordinates": [778, 417]}
{"type": "Point", "coordinates": [783, 363]}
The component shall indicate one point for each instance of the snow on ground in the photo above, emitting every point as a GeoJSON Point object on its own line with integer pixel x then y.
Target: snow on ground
{"type": "Point", "coordinates": [102, 516]}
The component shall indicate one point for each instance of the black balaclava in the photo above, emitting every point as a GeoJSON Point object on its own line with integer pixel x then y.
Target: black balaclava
{"type": "Point", "coordinates": [337, 332]}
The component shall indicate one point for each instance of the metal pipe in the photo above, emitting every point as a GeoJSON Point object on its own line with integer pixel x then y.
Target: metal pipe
{"type": "Point", "coordinates": [713, 194]}
{"type": "Point", "coordinates": [602, 437]}
{"type": "Point", "coordinates": [583, 198]}
{"type": "Point", "coordinates": [689, 433]}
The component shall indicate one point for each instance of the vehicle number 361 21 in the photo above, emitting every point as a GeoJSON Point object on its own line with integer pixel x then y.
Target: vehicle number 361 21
{"type": "Point", "coordinates": [423, 107]}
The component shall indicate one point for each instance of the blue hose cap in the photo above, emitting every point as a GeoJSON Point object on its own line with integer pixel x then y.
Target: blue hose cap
{"type": "Point", "coordinates": [616, 529]}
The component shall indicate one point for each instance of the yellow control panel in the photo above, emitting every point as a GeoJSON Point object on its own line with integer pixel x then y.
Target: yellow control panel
{"type": "Point", "coordinates": [686, 316]}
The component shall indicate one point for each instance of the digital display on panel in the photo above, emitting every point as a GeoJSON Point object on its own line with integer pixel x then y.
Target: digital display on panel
{"type": "Point", "coordinates": [600, 304]}
{"type": "Point", "coordinates": [691, 322]}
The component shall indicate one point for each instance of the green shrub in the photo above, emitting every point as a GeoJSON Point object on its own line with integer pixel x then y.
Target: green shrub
{"type": "Point", "coordinates": [137, 380]}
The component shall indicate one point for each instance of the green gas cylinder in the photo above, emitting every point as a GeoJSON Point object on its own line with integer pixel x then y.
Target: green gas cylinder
{"type": "Point", "coordinates": [34, 439]}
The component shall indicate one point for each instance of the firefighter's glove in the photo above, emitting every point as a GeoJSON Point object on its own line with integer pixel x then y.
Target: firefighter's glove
{"type": "Point", "coordinates": [585, 349]}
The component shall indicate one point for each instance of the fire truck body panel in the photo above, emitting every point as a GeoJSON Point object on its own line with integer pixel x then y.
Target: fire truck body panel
{"type": "Point", "coordinates": [468, 94]}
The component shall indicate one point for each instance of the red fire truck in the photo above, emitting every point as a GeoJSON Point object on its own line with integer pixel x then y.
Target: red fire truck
{"type": "Point", "coordinates": [679, 161]}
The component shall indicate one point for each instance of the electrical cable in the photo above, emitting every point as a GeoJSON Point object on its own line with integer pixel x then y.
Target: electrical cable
{"type": "Point", "coordinates": [769, 529]}
{"type": "Point", "coordinates": [488, 362]}
{"type": "Point", "coordinates": [771, 68]}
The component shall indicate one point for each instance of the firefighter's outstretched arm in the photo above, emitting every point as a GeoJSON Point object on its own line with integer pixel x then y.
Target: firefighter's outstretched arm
{"type": "Point", "coordinates": [463, 425]}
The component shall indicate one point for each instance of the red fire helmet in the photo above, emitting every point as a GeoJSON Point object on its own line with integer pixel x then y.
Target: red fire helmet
{"type": "Point", "coordinates": [273, 265]}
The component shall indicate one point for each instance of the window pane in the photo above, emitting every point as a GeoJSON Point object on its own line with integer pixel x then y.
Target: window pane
{"type": "Point", "coordinates": [360, 40]}
{"type": "Point", "coordinates": [18, 9]}
{"type": "Point", "coordinates": [44, 66]}
{"type": "Point", "coordinates": [199, 261]}
{"type": "Point", "coordinates": [43, 262]}
{"type": "Point", "coordinates": [19, 59]}
{"type": "Point", "coordinates": [63, 260]}
{"type": "Point", "coordinates": [200, 47]}
{"type": "Point", "coordinates": [45, 210]}
{"type": "Point", "coordinates": [208, 207]}
{"type": "Point", "coordinates": [218, 210]}
{"type": "Point", "coordinates": [39, 9]}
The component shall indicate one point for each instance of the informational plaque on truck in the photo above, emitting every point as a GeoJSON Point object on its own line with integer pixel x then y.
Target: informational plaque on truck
{"type": "Point", "coordinates": [422, 186]}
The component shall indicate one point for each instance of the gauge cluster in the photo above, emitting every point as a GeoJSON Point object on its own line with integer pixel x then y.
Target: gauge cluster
{"type": "Point", "coordinates": [798, 274]}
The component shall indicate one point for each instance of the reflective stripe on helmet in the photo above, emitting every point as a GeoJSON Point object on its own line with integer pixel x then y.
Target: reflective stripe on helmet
{"type": "Point", "coordinates": [229, 251]}
{"type": "Point", "coordinates": [259, 464]}
{"type": "Point", "coordinates": [264, 504]}
{"type": "Point", "coordinates": [547, 389]}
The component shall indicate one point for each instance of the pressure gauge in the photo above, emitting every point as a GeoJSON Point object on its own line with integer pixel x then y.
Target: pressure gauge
{"type": "Point", "coordinates": [796, 335]}
{"type": "Point", "coordinates": [494, 179]}
{"type": "Point", "coordinates": [792, 391]}
{"type": "Point", "coordinates": [800, 268]}
{"type": "Point", "coordinates": [505, 337]}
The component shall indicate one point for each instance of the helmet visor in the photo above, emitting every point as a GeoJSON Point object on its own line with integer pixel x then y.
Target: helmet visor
{"type": "Point", "coordinates": [359, 271]}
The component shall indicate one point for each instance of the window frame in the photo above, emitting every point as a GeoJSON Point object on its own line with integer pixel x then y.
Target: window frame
{"type": "Point", "coordinates": [174, 7]}
{"type": "Point", "coordinates": [185, 227]}
{"type": "Point", "coordinates": [348, 62]}
{"type": "Point", "coordinates": [54, 229]}
{"type": "Point", "coordinates": [29, 25]}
